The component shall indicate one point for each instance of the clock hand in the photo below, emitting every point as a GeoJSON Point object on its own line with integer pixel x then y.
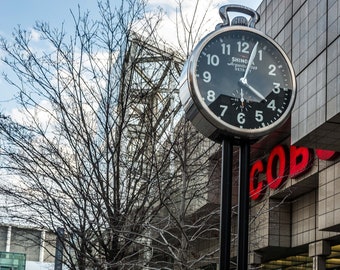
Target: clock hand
{"type": "Point", "coordinates": [257, 93]}
{"type": "Point", "coordinates": [242, 95]}
{"type": "Point", "coordinates": [244, 81]}
{"type": "Point", "coordinates": [250, 62]}
{"type": "Point", "coordinates": [242, 98]}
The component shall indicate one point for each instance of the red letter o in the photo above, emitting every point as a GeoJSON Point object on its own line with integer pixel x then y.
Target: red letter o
{"type": "Point", "coordinates": [277, 167]}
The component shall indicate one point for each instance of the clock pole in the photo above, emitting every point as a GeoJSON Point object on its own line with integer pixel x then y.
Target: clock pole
{"type": "Point", "coordinates": [243, 206]}
{"type": "Point", "coordinates": [226, 203]}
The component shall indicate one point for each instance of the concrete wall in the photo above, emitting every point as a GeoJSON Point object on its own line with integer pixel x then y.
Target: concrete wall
{"type": "Point", "coordinates": [308, 30]}
{"type": "Point", "coordinates": [32, 242]}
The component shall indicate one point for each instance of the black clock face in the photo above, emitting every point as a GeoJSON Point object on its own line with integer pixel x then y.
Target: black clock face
{"type": "Point", "coordinates": [244, 79]}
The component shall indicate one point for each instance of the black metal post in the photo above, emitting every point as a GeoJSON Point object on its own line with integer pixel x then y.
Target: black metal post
{"type": "Point", "coordinates": [226, 194]}
{"type": "Point", "coordinates": [243, 206]}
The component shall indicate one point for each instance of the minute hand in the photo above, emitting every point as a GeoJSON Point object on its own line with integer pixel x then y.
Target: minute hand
{"type": "Point", "coordinates": [250, 62]}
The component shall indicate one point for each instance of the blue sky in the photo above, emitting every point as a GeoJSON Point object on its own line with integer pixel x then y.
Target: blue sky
{"type": "Point", "coordinates": [26, 12]}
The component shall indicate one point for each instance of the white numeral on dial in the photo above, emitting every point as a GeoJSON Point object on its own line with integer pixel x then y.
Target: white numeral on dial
{"type": "Point", "coordinates": [206, 76]}
{"type": "Point", "coordinates": [243, 47]}
{"type": "Point", "coordinates": [272, 69]}
{"type": "Point", "coordinates": [259, 116]}
{"type": "Point", "coordinates": [276, 89]}
{"type": "Point", "coordinates": [224, 109]}
{"type": "Point", "coordinates": [225, 48]}
{"type": "Point", "coordinates": [241, 118]}
{"type": "Point", "coordinates": [211, 96]}
{"type": "Point", "coordinates": [213, 59]}
{"type": "Point", "coordinates": [271, 105]}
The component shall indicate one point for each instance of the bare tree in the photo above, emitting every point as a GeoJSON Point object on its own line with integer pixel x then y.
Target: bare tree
{"type": "Point", "coordinates": [187, 228]}
{"type": "Point", "coordinates": [186, 232]}
{"type": "Point", "coordinates": [100, 149]}
{"type": "Point", "coordinates": [83, 152]}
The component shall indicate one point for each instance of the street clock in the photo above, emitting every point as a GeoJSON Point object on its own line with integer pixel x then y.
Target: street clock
{"type": "Point", "coordinates": [237, 83]}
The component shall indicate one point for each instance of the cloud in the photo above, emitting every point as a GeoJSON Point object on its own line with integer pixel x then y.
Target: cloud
{"type": "Point", "coordinates": [42, 113]}
{"type": "Point", "coordinates": [35, 35]}
{"type": "Point", "coordinates": [194, 11]}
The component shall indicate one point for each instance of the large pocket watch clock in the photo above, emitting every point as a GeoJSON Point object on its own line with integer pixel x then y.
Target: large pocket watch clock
{"type": "Point", "coordinates": [237, 83]}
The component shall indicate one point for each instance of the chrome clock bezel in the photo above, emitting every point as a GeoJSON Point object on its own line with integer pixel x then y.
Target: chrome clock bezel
{"type": "Point", "coordinates": [209, 118]}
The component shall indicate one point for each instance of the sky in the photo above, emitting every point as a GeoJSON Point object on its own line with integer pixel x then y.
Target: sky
{"type": "Point", "coordinates": [26, 12]}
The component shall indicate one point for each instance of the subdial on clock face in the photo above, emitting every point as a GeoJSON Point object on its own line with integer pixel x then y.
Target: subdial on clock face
{"type": "Point", "coordinates": [241, 100]}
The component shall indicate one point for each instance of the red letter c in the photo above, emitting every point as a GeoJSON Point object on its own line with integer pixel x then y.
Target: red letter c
{"type": "Point", "coordinates": [256, 188]}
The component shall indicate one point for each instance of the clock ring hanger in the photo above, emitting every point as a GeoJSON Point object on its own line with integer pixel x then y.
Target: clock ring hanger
{"type": "Point", "coordinates": [239, 20]}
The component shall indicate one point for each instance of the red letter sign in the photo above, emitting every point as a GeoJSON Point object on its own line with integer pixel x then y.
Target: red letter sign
{"type": "Point", "coordinates": [256, 188]}
{"type": "Point", "coordinates": [300, 160]}
{"type": "Point", "coordinates": [326, 154]}
{"type": "Point", "coordinates": [280, 164]}
{"type": "Point", "coordinates": [277, 167]}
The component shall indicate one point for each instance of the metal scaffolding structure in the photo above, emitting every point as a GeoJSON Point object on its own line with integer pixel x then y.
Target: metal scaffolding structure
{"type": "Point", "coordinates": [153, 79]}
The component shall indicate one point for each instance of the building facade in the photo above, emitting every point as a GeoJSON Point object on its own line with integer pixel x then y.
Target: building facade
{"type": "Point", "coordinates": [295, 171]}
{"type": "Point", "coordinates": [294, 185]}
{"type": "Point", "coordinates": [26, 248]}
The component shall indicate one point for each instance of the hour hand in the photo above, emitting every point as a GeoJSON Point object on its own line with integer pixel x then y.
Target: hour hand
{"type": "Point", "coordinates": [257, 93]}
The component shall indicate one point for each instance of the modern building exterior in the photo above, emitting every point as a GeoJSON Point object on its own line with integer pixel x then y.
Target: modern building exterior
{"type": "Point", "coordinates": [295, 188]}
{"type": "Point", "coordinates": [25, 248]}
{"type": "Point", "coordinates": [295, 171]}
